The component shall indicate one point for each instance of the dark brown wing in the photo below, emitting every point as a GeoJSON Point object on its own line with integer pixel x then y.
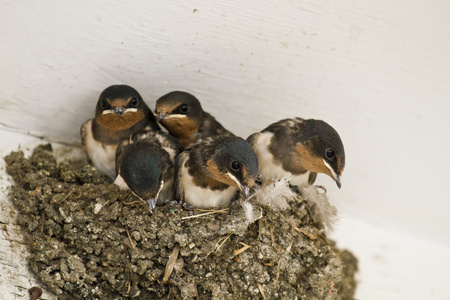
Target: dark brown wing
{"type": "Point", "coordinates": [120, 152]}
{"type": "Point", "coordinates": [178, 187]}
{"type": "Point", "coordinates": [211, 127]}
{"type": "Point", "coordinates": [293, 124]}
{"type": "Point", "coordinates": [312, 177]}
{"type": "Point", "coordinates": [83, 134]}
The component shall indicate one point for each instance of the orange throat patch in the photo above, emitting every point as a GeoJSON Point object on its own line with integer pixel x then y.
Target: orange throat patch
{"type": "Point", "coordinates": [308, 161]}
{"type": "Point", "coordinates": [183, 129]}
{"type": "Point", "coordinates": [115, 122]}
{"type": "Point", "coordinates": [218, 176]}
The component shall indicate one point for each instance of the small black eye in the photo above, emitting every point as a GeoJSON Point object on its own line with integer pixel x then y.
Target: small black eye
{"type": "Point", "coordinates": [104, 103]}
{"type": "Point", "coordinates": [184, 108]}
{"type": "Point", "coordinates": [134, 101]}
{"type": "Point", "coordinates": [329, 153]}
{"type": "Point", "coordinates": [235, 165]}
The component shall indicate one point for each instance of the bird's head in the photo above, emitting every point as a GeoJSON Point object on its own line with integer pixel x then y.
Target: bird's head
{"type": "Point", "coordinates": [178, 109]}
{"type": "Point", "coordinates": [142, 167]}
{"type": "Point", "coordinates": [119, 107]}
{"type": "Point", "coordinates": [321, 150]}
{"type": "Point", "coordinates": [234, 163]}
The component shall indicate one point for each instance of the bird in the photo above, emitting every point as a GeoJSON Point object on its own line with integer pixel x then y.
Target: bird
{"type": "Point", "coordinates": [120, 112]}
{"type": "Point", "coordinates": [145, 164]}
{"type": "Point", "coordinates": [211, 171]}
{"type": "Point", "coordinates": [182, 115]}
{"type": "Point", "coordinates": [298, 149]}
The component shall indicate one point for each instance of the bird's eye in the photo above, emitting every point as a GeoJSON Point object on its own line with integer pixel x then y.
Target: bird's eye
{"type": "Point", "coordinates": [134, 101]}
{"type": "Point", "coordinates": [184, 108]}
{"type": "Point", "coordinates": [329, 153]}
{"type": "Point", "coordinates": [104, 103]}
{"type": "Point", "coordinates": [235, 165]}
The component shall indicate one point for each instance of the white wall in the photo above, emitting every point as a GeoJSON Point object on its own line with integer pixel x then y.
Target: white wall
{"type": "Point", "coordinates": [378, 71]}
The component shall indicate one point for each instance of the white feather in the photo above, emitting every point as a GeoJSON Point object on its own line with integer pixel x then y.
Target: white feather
{"type": "Point", "coordinates": [120, 182]}
{"type": "Point", "coordinates": [323, 210]}
{"type": "Point", "coordinates": [248, 210]}
{"type": "Point", "coordinates": [274, 194]}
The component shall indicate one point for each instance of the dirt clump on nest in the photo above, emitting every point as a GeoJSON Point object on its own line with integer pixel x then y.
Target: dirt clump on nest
{"type": "Point", "coordinates": [89, 240]}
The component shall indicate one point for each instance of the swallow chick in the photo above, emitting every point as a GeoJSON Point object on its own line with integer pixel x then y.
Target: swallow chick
{"type": "Point", "coordinates": [119, 113]}
{"type": "Point", "coordinates": [145, 164]}
{"type": "Point", "coordinates": [213, 170]}
{"type": "Point", "coordinates": [182, 115]}
{"type": "Point", "coordinates": [298, 149]}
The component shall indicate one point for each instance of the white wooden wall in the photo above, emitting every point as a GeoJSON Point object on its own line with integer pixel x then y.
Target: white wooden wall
{"type": "Point", "coordinates": [378, 71]}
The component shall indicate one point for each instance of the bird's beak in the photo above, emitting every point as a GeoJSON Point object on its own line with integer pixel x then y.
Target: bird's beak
{"type": "Point", "coordinates": [161, 116]}
{"type": "Point", "coordinates": [119, 110]}
{"type": "Point", "coordinates": [152, 203]}
{"type": "Point", "coordinates": [243, 188]}
{"type": "Point", "coordinates": [165, 116]}
{"type": "Point", "coordinates": [338, 181]}
{"type": "Point", "coordinates": [335, 176]}
{"type": "Point", "coordinates": [246, 191]}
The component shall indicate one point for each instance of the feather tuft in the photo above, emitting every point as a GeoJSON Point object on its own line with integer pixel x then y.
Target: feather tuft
{"type": "Point", "coordinates": [274, 194]}
{"type": "Point", "coordinates": [248, 209]}
{"type": "Point", "coordinates": [323, 211]}
{"type": "Point", "coordinates": [120, 182]}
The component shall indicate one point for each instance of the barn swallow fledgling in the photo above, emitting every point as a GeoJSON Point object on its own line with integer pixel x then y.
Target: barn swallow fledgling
{"type": "Point", "coordinates": [211, 171]}
{"type": "Point", "coordinates": [298, 149]}
{"type": "Point", "coordinates": [119, 113]}
{"type": "Point", "coordinates": [182, 115]}
{"type": "Point", "coordinates": [145, 164]}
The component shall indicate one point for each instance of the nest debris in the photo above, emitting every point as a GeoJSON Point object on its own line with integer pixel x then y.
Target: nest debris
{"type": "Point", "coordinates": [90, 240]}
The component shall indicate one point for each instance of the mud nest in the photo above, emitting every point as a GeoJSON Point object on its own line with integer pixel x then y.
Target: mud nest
{"type": "Point", "coordinates": [90, 240]}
